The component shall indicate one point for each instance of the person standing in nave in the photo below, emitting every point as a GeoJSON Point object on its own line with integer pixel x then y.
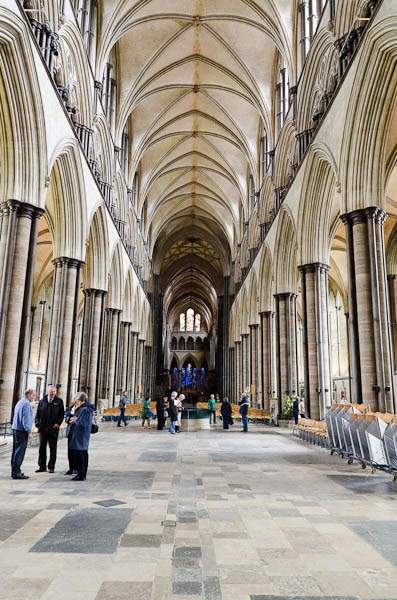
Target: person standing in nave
{"type": "Point", "coordinates": [226, 412]}
{"type": "Point", "coordinates": [22, 424]}
{"type": "Point", "coordinates": [161, 409]}
{"type": "Point", "coordinates": [244, 404]}
{"type": "Point", "coordinates": [146, 412]}
{"type": "Point", "coordinates": [301, 409]}
{"type": "Point", "coordinates": [179, 409]}
{"type": "Point", "coordinates": [122, 405]}
{"type": "Point", "coordinates": [295, 409]}
{"type": "Point", "coordinates": [69, 414]}
{"type": "Point", "coordinates": [49, 417]}
{"type": "Point", "coordinates": [80, 441]}
{"type": "Point", "coordinates": [212, 407]}
{"type": "Point", "coordinates": [172, 412]}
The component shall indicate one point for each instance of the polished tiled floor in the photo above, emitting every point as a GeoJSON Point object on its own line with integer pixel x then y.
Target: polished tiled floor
{"type": "Point", "coordinates": [207, 516]}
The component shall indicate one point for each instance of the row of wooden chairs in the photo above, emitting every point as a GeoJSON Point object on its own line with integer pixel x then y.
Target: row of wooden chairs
{"type": "Point", "coordinates": [312, 431]}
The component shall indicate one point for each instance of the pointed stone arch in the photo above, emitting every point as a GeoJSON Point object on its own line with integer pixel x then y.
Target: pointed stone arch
{"type": "Point", "coordinates": [285, 259]}
{"type": "Point", "coordinates": [23, 150]}
{"type": "Point", "coordinates": [266, 280]}
{"type": "Point", "coordinates": [116, 279]}
{"type": "Point", "coordinates": [97, 254]}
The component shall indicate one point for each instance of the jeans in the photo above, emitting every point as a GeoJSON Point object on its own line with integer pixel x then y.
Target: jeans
{"type": "Point", "coordinates": [47, 437]}
{"type": "Point", "coordinates": [20, 442]}
{"type": "Point", "coordinates": [172, 426]}
{"type": "Point", "coordinates": [245, 422]}
{"type": "Point", "coordinates": [213, 414]}
{"type": "Point", "coordinates": [122, 417]}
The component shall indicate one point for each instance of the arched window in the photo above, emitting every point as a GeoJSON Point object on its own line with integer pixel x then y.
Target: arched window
{"type": "Point", "coordinates": [264, 155]}
{"type": "Point", "coordinates": [282, 95]}
{"type": "Point", "coordinates": [135, 190]}
{"type": "Point", "coordinates": [197, 322]}
{"type": "Point", "coordinates": [252, 192]}
{"type": "Point", "coordinates": [182, 322]}
{"type": "Point", "coordinates": [308, 19]}
{"type": "Point", "coordinates": [109, 90]}
{"type": "Point", "coordinates": [190, 319]}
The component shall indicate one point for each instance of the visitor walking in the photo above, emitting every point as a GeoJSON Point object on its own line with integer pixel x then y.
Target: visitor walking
{"type": "Point", "coordinates": [122, 405]}
{"type": "Point", "coordinates": [49, 417]}
{"type": "Point", "coordinates": [244, 404]}
{"type": "Point", "coordinates": [226, 412]}
{"type": "Point", "coordinates": [179, 410]}
{"type": "Point", "coordinates": [172, 412]}
{"type": "Point", "coordinates": [80, 441]}
{"type": "Point", "coordinates": [22, 424]}
{"type": "Point", "coordinates": [161, 409]}
{"type": "Point", "coordinates": [146, 413]}
{"type": "Point", "coordinates": [71, 412]}
{"type": "Point", "coordinates": [212, 407]}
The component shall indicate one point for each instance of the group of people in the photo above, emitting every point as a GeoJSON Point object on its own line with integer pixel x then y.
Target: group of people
{"type": "Point", "coordinates": [170, 408]}
{"type": "Point", "coordinates": [298, 408]}
{"type": "Point", "coordinates": [49, 417]}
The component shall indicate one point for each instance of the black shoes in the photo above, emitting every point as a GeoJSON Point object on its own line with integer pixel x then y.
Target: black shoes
{"type": "Point", "coordinates": [69, 472]}
{"type": "Point", "coordinates": [21, 476]}
{"type": "Point", "coordinates": [40, 470]}
{"type": "Point", "coordinates": [77, 478]}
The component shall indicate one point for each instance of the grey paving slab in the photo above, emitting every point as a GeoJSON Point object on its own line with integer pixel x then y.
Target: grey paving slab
{"type": "Point", "coordinates": [86, 531]}
{"type": "Point", "coordinates": [124, 590]}
{"type": "Point", "coordinates": [140, 541]}
{"type": "Point", "coordinates": [12, 520]}
{"type": "Point", "coordinates": [381, 535]}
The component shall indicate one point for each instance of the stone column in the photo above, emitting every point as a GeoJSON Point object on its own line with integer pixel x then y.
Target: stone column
{"type": "Point", "coordinates": [253, 339]}
{"type": "Point", "coordinates": [113, 316]}
{"type": "Point", "coordinates": [238, 370]}
{"type": "Point", "coordinates": [392, 284]}
{"type": "Point", "coordinates": [267, 324]}
{"type": "Point", "coordinates": [316, 339]}
{"type": "Point", "coordinates": [90, 347]}
{"type": "Point", "coordinates": [66, 289]}
{"type": "Point", "coordinates": [125, 334]}
{"type": "Point", "coordinates": [370, 339]}
{"type": "Point", "coordinates": [244, 361]}
{"type": "Point", "coordinates": [132, 367]}
{"type": "Point", "coordinates": [287, 358]}
{"type": "Point", "coordinates": [18, 242]}
{"type": "Point", "coordinates": [139, 382]}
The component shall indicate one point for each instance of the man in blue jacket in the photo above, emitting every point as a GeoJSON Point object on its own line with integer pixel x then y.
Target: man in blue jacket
{"type": "Point", "coordinates": [244, 404]}
{"type": "Point", "coordinates": [22, 432]}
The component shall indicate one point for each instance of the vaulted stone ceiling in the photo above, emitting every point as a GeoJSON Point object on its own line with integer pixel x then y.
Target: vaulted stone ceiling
{"type": "Point", "coordinates": [195, 82]}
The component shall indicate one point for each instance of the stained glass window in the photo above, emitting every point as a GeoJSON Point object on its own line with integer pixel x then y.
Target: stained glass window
{"type": "Point", "coordinates": [190, 320]}
{"type": "Point", "coordinates": [197, 322]}
{"type": "Point", "coordinates": [182, 322]}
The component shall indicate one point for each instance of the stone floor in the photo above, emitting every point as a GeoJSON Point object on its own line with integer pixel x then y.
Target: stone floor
{"type": "Point", "coordinates": [208, 515]}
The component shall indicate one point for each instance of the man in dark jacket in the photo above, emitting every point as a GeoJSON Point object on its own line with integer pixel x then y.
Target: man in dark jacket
{"type": "Point", "coordinates": [244, 404]}
{"type": "Point", "coordinates": [226, 412]}
{"type": "Point", "coordinates": [49, 418]}
{"type": "Point", "coordinates": [80, 441]}
{"type": "Point", "coordinates": [161, 407]}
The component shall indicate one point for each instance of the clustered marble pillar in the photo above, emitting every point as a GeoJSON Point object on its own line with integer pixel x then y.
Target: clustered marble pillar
{"type": "Point", "coordinates": [316, 339]}
{"type": "Point", "coordinates": [18, 242]}
{"type": "Point", "coordinates": [244, 361]}
{"type": "Point", "coordinates": [253, 340]}
{"type": "Point", "coordinates": [286, 339]}
{"type": "Point", "coordinates": [266, 345]}
{"type": "Point", "coordinates": [90, 347]}
{"type": "Point", "coordinates": [369, 326]}
{"type": "Point", "coordinates": [125, 333]}
{"type": "Point", "coordinates": [239, 386]}
{"type": "Point", "coordinates": [63, 323]}
{"type": "Point", "coordinates": [392, 284]}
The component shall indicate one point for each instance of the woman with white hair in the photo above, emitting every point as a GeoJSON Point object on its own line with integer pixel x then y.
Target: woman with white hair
{"type": "Point", "coordinates": [172, 412]}
{"type": "Point", "coordinates": [179, 408]}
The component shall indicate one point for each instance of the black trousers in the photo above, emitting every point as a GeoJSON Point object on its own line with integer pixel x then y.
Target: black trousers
{"type": "Point", "coordinates": [20, 441]}
{"type": "Point", "coordinates": [160, 422]}
{"type": "Point", "coordinates": [71, 456]}
{"type": "Point", "coordinates": [52, 440]}
{"type": "Point", "coordinates": [226, 421]}
{"type": "Point", "coordinates": [213, 414]}
{"type": "Point", "coordinates": [81, 463]}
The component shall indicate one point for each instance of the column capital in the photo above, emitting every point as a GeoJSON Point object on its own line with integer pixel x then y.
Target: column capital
{"type": "Point", "coordinates": [125, 323]}
{"type": "Point", "coordinates": [244, 335]}
{"type": "Point", "coordinates": [285, 295]}
{"type": "Point", "coordinates": [253, 326]}
{"type": "Point", "coordinates": [312, 267]}
{"type": "Point", "coordinates": [71, 263]}
{"type": "Point", "coordinates": [113, 311]}
{"type": "Point", "coordinates": [267, 314]}
{"type": "Point", "coordinates": [237, 342]}
{"type": "Point", "coordinates": [94, 292]}
{"type": "Point", "coordinates": [362, 215]}
{"type": "Point", "coordinates": [23, 209]}
{"type": "Point", "coordinates": [134, 333]}
{"type": "Point", "coordinates": [391, 277]}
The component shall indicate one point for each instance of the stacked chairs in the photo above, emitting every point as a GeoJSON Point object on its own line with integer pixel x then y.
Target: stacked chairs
{"type": "Point", "coordinates": [313, 432]}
